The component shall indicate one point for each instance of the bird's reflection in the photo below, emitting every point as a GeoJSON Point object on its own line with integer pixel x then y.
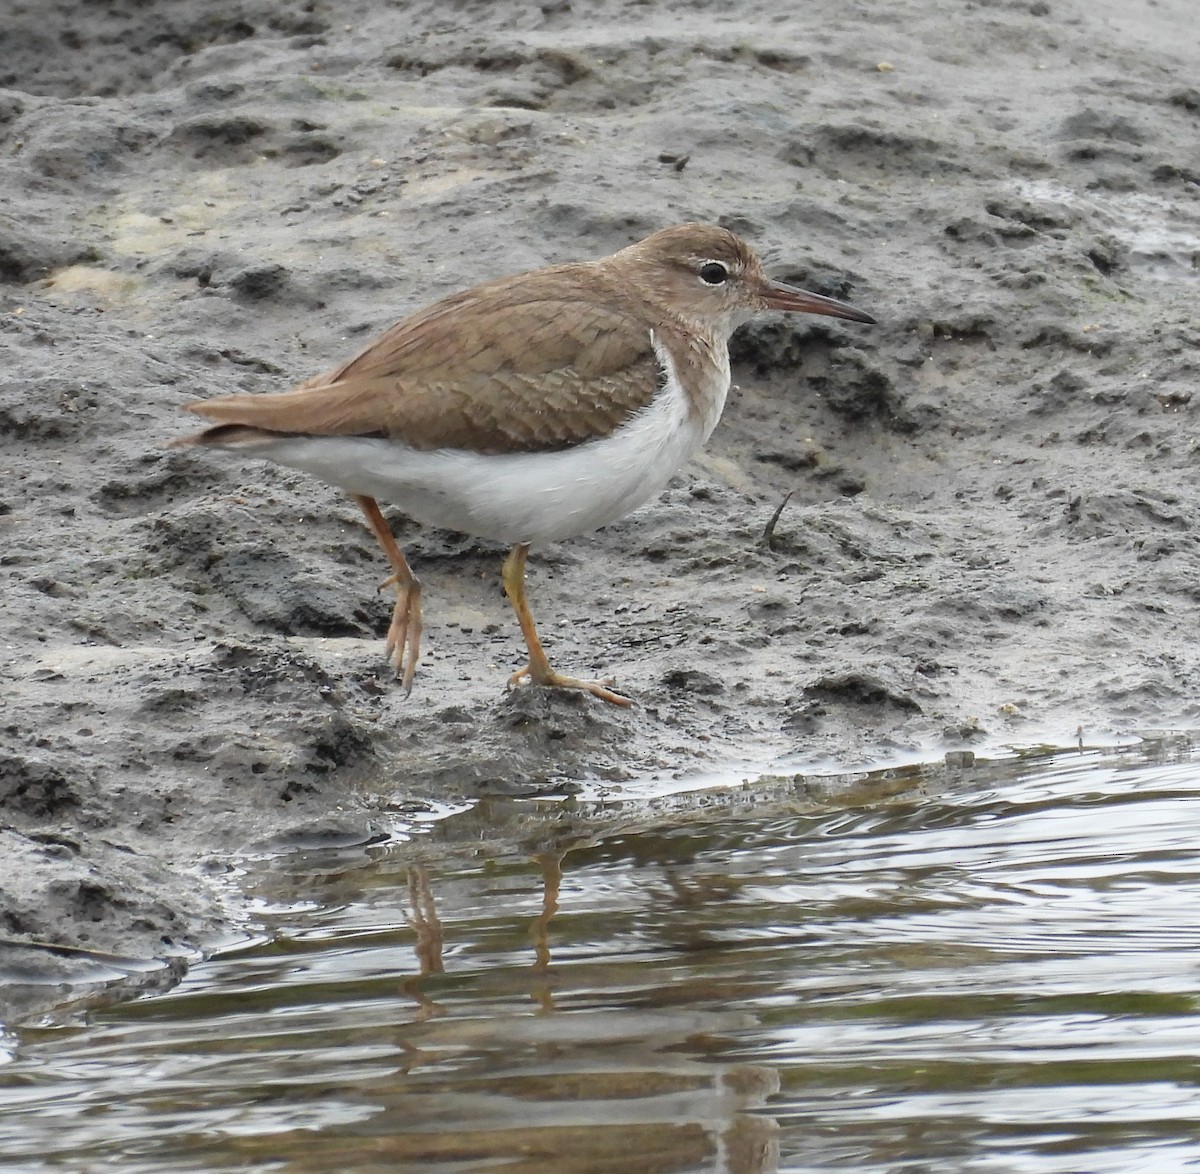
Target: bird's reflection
{"type": "Point", "coordinates": [599, 1088]}
{"type": "Point", "coordinates": [423, 916]}
{"type": "Point", "coordinates": [539, 931]}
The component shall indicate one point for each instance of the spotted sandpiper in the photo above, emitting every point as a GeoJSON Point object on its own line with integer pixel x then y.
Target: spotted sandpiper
{"type": "Point", "coordinates": [526, 410]}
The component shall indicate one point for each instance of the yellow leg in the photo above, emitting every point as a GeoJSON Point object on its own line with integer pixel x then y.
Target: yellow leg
{"type": "Point", "coordinates": [538, 669]}
{"type": "Point", "coordinates": [404, 632]}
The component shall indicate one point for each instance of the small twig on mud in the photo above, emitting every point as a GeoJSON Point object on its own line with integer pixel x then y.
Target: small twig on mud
{"type": "Point", "coordinates": [767, 541]}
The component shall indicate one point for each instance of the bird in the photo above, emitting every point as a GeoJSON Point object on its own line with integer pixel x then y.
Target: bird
{"type": "Point", "coordinates": [527, 410]}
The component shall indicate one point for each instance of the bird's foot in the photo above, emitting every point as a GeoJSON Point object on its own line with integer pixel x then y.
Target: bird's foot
{"type": "Point", "coordinates": [553, 680]}
{"type": "Point", "coordinates": [404, 632]}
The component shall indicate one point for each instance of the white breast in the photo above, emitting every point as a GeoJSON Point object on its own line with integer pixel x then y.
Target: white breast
{"type": "Point", "coordinates": [522, 497]}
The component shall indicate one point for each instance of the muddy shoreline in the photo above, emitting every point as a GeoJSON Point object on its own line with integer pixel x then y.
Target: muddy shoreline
{"type": "Point", "coordinates": [991, 535]}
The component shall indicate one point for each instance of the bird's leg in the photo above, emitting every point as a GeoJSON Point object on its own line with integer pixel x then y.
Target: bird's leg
{"type": "Point", "coordinates": [538, 669]}
{"type": "Point", "coordinates": [404, 632]}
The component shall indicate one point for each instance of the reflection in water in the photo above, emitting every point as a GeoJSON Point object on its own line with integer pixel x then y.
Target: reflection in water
{"type": "Point", "coordinates": [645, 1107]}
{"type": "Point", "coordinates": [428, 929]}
{"type": "Point", "coordinates": [931, 970]}
{"type": "Point", "coordinates": [539, 932]}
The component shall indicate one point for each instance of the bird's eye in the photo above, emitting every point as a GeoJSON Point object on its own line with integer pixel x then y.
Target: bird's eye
{"type": "Point", "coordinates": [713, 273]}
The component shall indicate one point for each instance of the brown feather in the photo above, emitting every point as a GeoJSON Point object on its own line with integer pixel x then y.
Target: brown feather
{"type": "Point", "coordinates": [538, 361]}
{"type": "Point", "coordinates": [524, 364]}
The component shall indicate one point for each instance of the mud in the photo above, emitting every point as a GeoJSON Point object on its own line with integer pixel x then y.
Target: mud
{"type": "Point", "coordinates": [990, 533]}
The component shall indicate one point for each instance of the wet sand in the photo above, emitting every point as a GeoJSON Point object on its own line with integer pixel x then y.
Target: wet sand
{"type": "Point", "coordinates": [991, 535]}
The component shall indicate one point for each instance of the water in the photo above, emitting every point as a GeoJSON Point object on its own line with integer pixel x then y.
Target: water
{"type": "Point", "coordinates": [991, 969]}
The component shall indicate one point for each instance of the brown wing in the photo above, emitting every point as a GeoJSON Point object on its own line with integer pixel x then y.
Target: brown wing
{"type": "Point", "coordinates": [526, 364]}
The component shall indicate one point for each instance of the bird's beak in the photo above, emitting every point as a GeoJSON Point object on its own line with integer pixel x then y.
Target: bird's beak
{"type": "Point", "coordinates": [787, 297]}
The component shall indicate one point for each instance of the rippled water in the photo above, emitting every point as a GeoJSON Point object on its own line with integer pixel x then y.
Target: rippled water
{"type": "Point", "coordinates": [992, 969]}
